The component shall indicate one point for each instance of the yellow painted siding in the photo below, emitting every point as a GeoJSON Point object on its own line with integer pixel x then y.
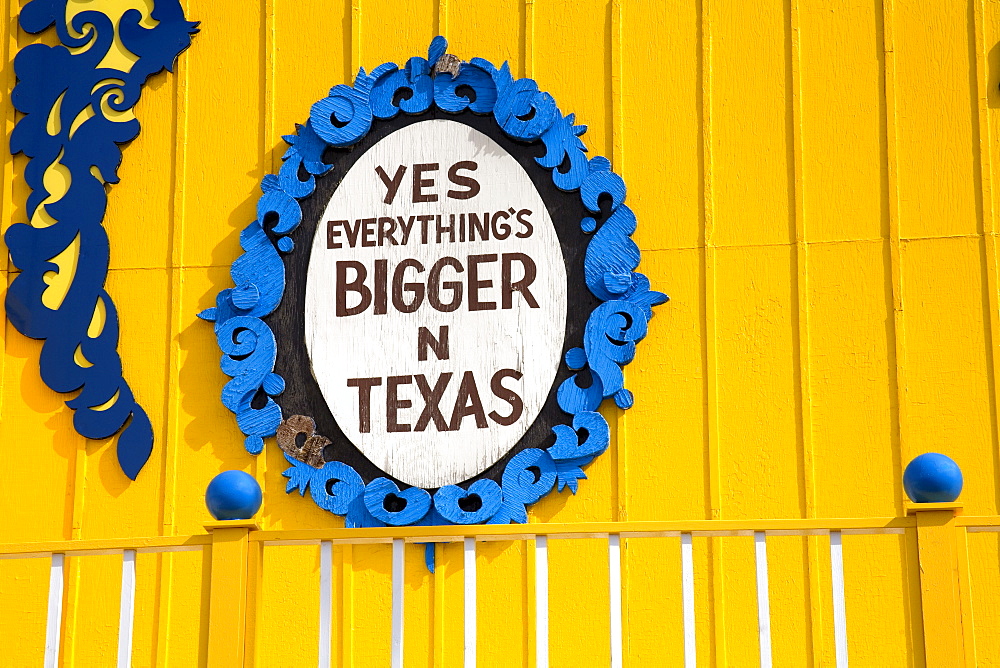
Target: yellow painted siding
{"type": "Point", "coordinates": [815, 187]}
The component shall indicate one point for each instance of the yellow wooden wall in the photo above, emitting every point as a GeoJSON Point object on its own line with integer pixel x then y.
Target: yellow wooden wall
{"type": "Point", "coordinates": [814, 181]}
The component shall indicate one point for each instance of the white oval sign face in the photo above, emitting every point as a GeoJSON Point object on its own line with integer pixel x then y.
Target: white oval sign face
{"type": "Point", "coordinates": [435, 303]}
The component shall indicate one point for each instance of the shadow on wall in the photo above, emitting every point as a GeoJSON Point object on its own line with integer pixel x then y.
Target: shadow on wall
{"type": "Point", "coordinates": [993, 77]}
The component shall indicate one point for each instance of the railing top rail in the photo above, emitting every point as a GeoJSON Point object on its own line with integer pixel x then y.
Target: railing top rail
{"type": "Point", "coordinates": [488, 532]}
{"type": "Point", "coordinates": [103, 546]}
{"type": "Point", "coordinates": [498, 532]}
{"type": "Point", "coordinates": [972, 521]}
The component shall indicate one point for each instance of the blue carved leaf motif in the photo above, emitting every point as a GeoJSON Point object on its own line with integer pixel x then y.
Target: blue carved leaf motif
{"type": "Point", "coordinates": [526, 114]}
{"type": "Point", "coordinates": [335, 486]}
{"type": "Point", "coordinates": [414, 502]}
{"type": "Point", "coordinates": [448, 96]}
{"type": "Point", "coordinates": [299, 476]}
{"type": "Point", "coordinates": [49, 76]}
{"type": "Point", "coordinates": [448, 500]}
{"type": "Point", "coordinates": [414, 80]}
{"type": "Point", "coordinates": [562, 142]}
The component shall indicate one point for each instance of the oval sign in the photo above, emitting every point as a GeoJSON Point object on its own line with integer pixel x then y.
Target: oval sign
{"type": "Point", "coordinates": [435, 305]}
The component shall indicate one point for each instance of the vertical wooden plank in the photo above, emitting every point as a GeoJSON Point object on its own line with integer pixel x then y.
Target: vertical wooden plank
{"type": "Point", "coordinates": [984, 589]}
{"type": "Point", "coordinates": [138, 219]}
{"type": "Point", "coordinates": [398, 592]}
{"type": "Point", "coordinates": [615, 594]}
{"type": "Point", "coordinates": [718, 643]}
{"type": "Point", "coordinates": [325, 602]}
{"type": "Point", "coordinates": [9, 36]}
{"type": "Point", "coordinates": [940, 598]}
{"type": "Point", "coordinates": [576, 72]}
{"type": "Point", "coordinates": [839, 607]}
{"type": "Point", "coordinates": [53, 625]}
{"type": "Point", "coordinates": [372, 605]}
{"type": "Point", "coordinates": [813, 608]}
{"type": "Point", "coordinates": [687, 578]}
{"type": "Point", "coordinates": [572, 564]}
{"type": "Point", "coordinates": [880, 587]}
{"type": "Point", "coordinates": [395, 30]}
{"type": "Point", "coordinates": [988, 57]}
{"type": "Point", "coordinates": [92, 622]}
{"type": "Point", "coordinates": [948, 384]}
{"type": "Point", "coordinates": [24, 597]}
{"type": "Point", "coordinates": [346, 626]}
{"type": "Point", "coordinates": [985, 201]}
{"type": "Point", "coordinates": [293, 586]}
{"type": "Point", "coordinates": [34, 414]}
{"type": "Point", "coordinates": [126, 614]}
{"type": "Point", "coordinates": [843, 171]}
{"type": "Point", "coordinates": [541, 602]}
{"type": "Point", "coordinates": [505, 575]}
{"type": "Point", "coordinates": [653, 628]}
{"type": "Point", "coordinates": [853, 406]}
{"type": "Point", "coordinates": [185, 632]}
{"type": "Point", "coordinates": [227, 612]}
{"type": "Point", "coordinates": [311, 54]}
{"type": "Point", "coordinates": [470, 640]}
{"type": "Point", "coordinates": [663, 154]}
{"type": "Point", "coordinates": [222, 185]}
{"type": "Point", "coordinates": [757, 381]}
{"type": "Point", "coordinates": [763, 599]}
{"type": "Point", "coordinates": [934, 68]}
{"type": "Point", "coordinates": [503, 40]}
{"type": "Point", "coordinates": [965, 594]}
{"type": "Point", "coordinates": [751, 123]}
{"type": "Point", "coordinates": [144, 348]}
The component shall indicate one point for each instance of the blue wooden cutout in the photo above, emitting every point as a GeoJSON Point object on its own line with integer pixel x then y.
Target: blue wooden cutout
{"type": "Point", "coordinates": [49, 76]}
{"type": "Point", "coordinates": [610, 269]}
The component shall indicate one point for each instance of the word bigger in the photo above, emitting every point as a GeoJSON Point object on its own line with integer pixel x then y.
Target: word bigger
{"type": "Point", "coordinates": [408, 293]}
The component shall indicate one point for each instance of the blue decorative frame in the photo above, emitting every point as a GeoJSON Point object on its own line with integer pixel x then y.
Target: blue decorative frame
{"type": "Point", "coordinates": [75, 81]}
{"type": "Point", "coordinates": [611, 259]}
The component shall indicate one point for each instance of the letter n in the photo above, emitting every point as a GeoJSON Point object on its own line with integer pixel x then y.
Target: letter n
{"type": "Point", "coordinates": [426, 340]}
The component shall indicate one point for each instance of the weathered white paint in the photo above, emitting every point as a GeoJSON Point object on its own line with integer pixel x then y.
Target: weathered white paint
{"type": "Point", "coordinates": [839, 609]}
{"type": "Point", "coordinates": [687, 596]}
{"type": "Point", "coordinates": [541, 602]}
{"type": "Point", "coordinates": [53, 622]}
{"type": "Point", "coordinates": [325, 602]}
{"type": "Point", "coordinates": [615, 597]}
{"type": "Point", "coordinates": [126, 612]}
{"type": "Point", "coordinates": [398, 570]}
{"type": "Point", "coordinates": [763, 599]}
{"type": "Point", "coordinates": [470, 601]}
{"type": "Point", "coordinates": [369, 345]}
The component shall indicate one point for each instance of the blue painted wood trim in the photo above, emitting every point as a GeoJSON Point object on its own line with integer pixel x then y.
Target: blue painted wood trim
{"type": "Point", "coordinates": [612, 332]}
{"type": "Point", "coordinates": [51, 75]}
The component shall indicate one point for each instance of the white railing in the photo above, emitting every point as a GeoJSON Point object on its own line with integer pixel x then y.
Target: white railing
{"type": "Point", "coordinates": [233, 564]}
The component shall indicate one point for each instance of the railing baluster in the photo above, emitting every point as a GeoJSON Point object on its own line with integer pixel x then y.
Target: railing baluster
{"type": "Point", "coordinates": [470, 601]}
{"type": "Point", "coordinates": [53, 625]}
{"type": "Point", "coordinates": [839, 609]}
{"type": "Point", "coordinates": [615, 591]}
{"type": "Point", "coordinates": [325, 602]}
{"type": "Point", "coordinates": [687, 596]}
{"type": "Point", "coordinates": [397, 602]}
{"type": "Point", "coordinates": [541, 602]}
{"type": "Point", "coordinates": [763, 599]}
{"type": "Point", "coordinates": [126, 615]}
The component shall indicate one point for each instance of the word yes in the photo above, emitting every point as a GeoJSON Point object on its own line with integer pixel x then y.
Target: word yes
{"type": "Point", "coordinates": [421, 184]}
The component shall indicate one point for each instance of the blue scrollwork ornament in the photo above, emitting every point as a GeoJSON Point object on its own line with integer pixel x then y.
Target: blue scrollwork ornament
{"type": "Point", "coordinates": [77, 320]}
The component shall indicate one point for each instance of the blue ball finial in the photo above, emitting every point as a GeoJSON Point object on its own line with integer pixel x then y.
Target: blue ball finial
{"type": "Point", "coordinates": [233, 495]}
{"type": "Point", "coordinates": [932, 478]}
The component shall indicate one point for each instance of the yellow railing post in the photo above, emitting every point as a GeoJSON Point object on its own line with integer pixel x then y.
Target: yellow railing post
{"type": "Point", "coordinates": [230, 577]}
{"type": "Point", "coordinates": [940, 585]}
